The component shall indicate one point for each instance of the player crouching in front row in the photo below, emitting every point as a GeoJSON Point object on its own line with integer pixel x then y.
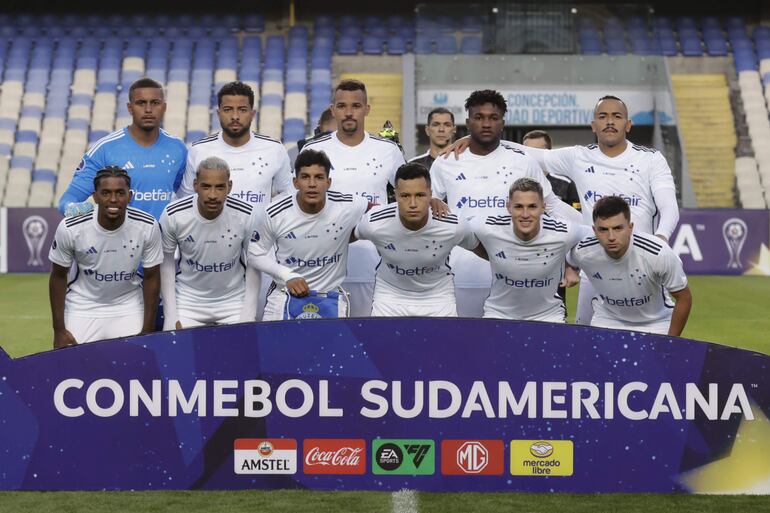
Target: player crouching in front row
{"type": "Point", "coordinates": [310, 230]}
{"type": "Point", "coordinates": [632, 274]}
{"type": "Point", "coordinates": [212, 232]}
{"type": "Point", "coordinates": [107, 298]}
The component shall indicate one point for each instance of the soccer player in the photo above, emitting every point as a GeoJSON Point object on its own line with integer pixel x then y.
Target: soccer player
{"type": "Point", "coordinates": [562, 186]}
{"type": "Point", "coordinates": [614, 166]}
{"type": "Point", "coordinates": [107, 298]}
{"type": "Point", "coordinates": [311, 231]}
{"type": "Point", "coordinates": [212, 231]}
{"type": "Point", "coordinates": [259, 165]}
{"type": "Point", "coordinates": [362, 165]}
{"type": "Point", "coordinates": [153, 159]}
{"type": "Point", "coordinates": [477, 184]}
{"type": "Point", "coordinates": [413, 277]}
{"type": "Point", "coordinates": [632, 274]}
{"type": "Point", "coordinates": [526, 249]}
{"type": "Point", "coordinates": [440, 130]}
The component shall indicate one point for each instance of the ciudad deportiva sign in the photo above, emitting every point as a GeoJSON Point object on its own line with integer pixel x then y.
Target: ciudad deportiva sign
{"type": "Point", "coordinates": [386, 404]}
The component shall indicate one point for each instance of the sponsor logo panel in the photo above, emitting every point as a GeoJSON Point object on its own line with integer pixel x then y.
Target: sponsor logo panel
{"type": "Point", "coordinates": [542, 457]}
{"type": "Point", "coordinates": [334, 456]}
{"type": "Point", "coordinates": [472, 457]}
{"type": "Point", "coordinates": [265, 456]}
{"type": "Point", "coordinates": [404, 457]}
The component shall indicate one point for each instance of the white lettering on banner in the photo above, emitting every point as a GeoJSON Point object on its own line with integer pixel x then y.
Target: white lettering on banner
{"type": "Point", "coordinates": [348, 456]}
{"type": "Point", "coordinates": [686, 243]}
{"type": "Point", "coordinates": [635, 400]}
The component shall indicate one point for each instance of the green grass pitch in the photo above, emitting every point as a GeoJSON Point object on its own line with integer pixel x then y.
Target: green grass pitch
{"type": "Point", "coordinates": [727, 310]}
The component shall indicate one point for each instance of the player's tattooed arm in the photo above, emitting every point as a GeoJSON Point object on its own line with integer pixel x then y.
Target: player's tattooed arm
{"type": "Point", "coordinates": [151, 293]}
{"type": "Point", "coordinates": [57, 289]}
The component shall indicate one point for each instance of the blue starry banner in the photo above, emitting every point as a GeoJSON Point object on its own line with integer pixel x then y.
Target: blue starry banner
{"type": "Point", "coordinates": [387, 404]}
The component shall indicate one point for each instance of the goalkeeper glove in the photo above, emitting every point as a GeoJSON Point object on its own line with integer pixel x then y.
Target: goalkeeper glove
{"type": "Point", "coordinates": [75, 209]}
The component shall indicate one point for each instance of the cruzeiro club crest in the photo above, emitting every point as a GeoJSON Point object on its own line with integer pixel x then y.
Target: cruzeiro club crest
{"type": "Point", "coordinates": [310, 311]}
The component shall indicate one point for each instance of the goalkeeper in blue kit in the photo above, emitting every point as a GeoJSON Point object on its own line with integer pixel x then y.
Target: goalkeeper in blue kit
{"type": "Point", "coordinates": [154, 160]}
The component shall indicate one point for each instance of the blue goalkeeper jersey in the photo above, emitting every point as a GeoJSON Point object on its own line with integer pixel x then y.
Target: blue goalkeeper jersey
{"type": "Point", "coordinates": [155, 171]}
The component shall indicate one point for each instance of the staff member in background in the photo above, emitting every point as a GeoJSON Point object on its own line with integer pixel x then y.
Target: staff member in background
{"type": "Point", "coordinates": [441, 132]}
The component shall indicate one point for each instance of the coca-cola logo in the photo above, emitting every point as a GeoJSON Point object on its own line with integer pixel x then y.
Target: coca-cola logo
{"type": "Point", "coordinates": [347, 456]}
{"type": "Point", "coordinates": [335, 456]}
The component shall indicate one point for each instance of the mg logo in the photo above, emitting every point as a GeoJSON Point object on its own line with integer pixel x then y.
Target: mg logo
{"type": "Point", "coordinates": [472, 457]}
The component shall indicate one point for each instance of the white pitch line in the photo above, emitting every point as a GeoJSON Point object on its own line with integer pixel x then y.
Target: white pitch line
{"type": "Point", "coordinates": [404, 501]}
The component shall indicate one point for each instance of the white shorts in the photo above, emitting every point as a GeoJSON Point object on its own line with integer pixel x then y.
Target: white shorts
{"type": "Point", "coordinates": [473, 281]}
{"type": "Point", "coordinates": [89, 329]}
{"type": "Point", "coordinates": [275, 307]}
{"type": "Point", "coordinates": [204, 315]}
{"type": "Point", "coordinates": [382, 308]}
{"type": "Point", "coordinates": [557, 315]}
{"type": "Point", "coordinates": [658, 327]}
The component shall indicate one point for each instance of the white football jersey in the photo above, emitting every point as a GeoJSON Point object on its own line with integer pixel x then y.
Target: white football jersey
{"type": "Point", "coordinates": [414, 265]}
{"type": "Point", "coordinates": [526, 273]}
{"type": "Point", "coordinates": [632, 290]}
{"type": "Point", "coordinates": [258, 169]}
{"type": "Point", "coordinates": [212, 251]}
{"type": "Point", "coordinates": [363, 170]}
{"type": "Point", "coordinates": [106, 282]}
{"type": "Point", "coordinates": [634, 175]}
{"type": "Point", "coordinates": [478, 184]}
{"type": "Point", "coordinates": [315, 246]}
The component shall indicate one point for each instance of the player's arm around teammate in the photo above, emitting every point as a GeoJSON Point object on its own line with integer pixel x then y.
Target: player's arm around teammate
{"type": "Point", "coordinates": [105, 299]}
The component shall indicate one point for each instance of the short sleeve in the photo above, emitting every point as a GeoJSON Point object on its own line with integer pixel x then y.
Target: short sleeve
{"type": "Point", "coordinates": [574, 258]}
{"type": "Point", "coordinates": [398, 160]}
{"type": "Point", "coordinates": [362, 230]}
{"type": "Point", "coordinates": [252, 227]}
{"type": "Point", "coordinates": [282, 177]}
{"type": "Point", "coordinates": [670, 270]}
{"type": "Point", "coordinates": [152, 254]}
{"type": "Point", "coordinates": [465, 237]}
{"type": "Point", "coordinates": [561, 161]}
{"type": "Point", "coordinates": [436, 180]}
{"type": "Point", "coordinates": [168, 232]}
{"type": "Point", "coordinates": [576, 233]}
{"type": "Point", "coordinates": [262, 237]}
{"type": "Point", "coordinates": [186, 187]}
{"type": "Point", "coordinates": [62, 248]}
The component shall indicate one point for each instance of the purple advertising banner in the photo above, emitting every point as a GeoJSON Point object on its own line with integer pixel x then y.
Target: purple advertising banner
{"type": "Point", "coordinates": [30, 232]}
{"type": "Point", "coordinates": [723, 241]}
{"type": "Point", "coordinates": [388, 404]}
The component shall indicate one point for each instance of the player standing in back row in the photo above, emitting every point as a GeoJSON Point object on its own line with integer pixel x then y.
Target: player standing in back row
{"type": "Point", "coordinates": [153, 159]}
{"type": "Point", "coordinates": [362, 165]}
{"type": "Point", "coordinates": [107, 298]}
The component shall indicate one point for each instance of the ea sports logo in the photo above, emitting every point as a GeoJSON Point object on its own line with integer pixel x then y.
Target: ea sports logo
{"type": "Point", "coordinates": [265, 449]}
{"type": "Point", "coordinates": [389, 456]}
{"type": "Point", "coordinates": [472, 457]}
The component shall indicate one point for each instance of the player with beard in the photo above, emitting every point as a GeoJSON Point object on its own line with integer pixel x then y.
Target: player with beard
{"type": "Point", "coordinates": [477, 184]}
{"type": "Point", "coordinates": [440, 130]}
{"type": "Point", "coordinates": [107, 298]}
{"type": "Point", "coordinates": [259, 165]}
{"type": "Point", "coordinates": [362, 165]}
{"type": "Point", "coordinates": [153, 159]}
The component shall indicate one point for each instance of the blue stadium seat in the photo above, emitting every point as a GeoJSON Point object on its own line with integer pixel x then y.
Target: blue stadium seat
{"type": "Point", "coordinates": [691, 46]}
{"type": "Point", "coordinates": [325, 32]}
{"type": "Point", "coordinates": [272, 75]}
{"type": "Point", "coordinates": [372, 45]}
{"type": "Point", "coordinates": [394, 22]}
{"type": "Point", "coordinates": [470, 45]}
{"type": "Point", "coordinates": [44, 175]}
{"type": "Point", "coordinates": [254, 23]}
{"type": "Point", "coordinates": [470, 24]}
{"type": "Point", "coordinates": [423, 45]}
{"type": "Point", "coordinates": [27, 136]}
{"type": "Point", "coordinates": [745, 60]}
{"type": "Point", "coordinates": [446, 45]}
{"type": "Point", "coordinates": [293, 130]}
{"type": "Point", "coordinates": [716, 46]}
{"type": "Point", "coordinates": [616, 46]}
{"type": "Point", "coordinates": [323, 21]}
{"type": "Point", "coordinates": [21, 162]}
{"type": "Point", "coordinates": [347, 45]}
{"type": "Point", "coordinates": [95, 135]}
{"type": "Point", "coordinates": [396, 45]}
{"type": "Point", "coordinates": [591, 46]}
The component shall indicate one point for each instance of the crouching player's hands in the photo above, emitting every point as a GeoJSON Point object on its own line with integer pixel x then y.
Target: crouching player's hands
{"type": "Point", "coordinates": [571, 277]}
{"type": "Point", "coordinates": [63, 338]}
{"type": "Point", "coordinates": [298, 287]}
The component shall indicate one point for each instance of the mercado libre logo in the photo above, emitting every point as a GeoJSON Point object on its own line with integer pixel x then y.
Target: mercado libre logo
{"type": "Point", "coordinates": [542, 457]}
{"type": "Point", "coordinates": [404, 457]}
{"type": "Point", "coordinates": [334, 456]}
